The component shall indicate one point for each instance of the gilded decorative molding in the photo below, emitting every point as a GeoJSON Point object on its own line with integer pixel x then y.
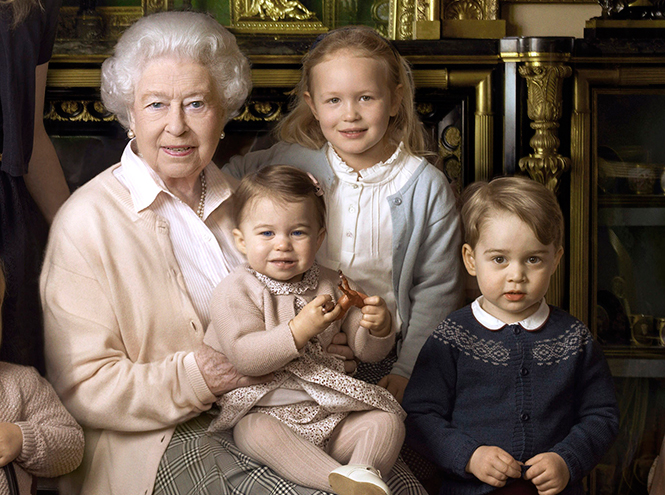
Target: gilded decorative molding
{"type": "Point", "coordinates": [435, 78]}
{"type": "Point", "coordinates": [274, 10]}
{"type": "Point", "coordinates": [402, 13]}
{"type": "Point", "coordinates": [78, 111]}
{"type": "Point", "coordinates": [260, 111]}
{"type": "Point", "coordinates": [151, 6]}
{"type": "Point", "coordinates": [579, 213]}
{"type": "Point", "coordinates": [544, 102]}
{"type": "Point", "coordinates": [481, 10]}
{"type": "Point", "coordinates": [275, 17]}
{"type": "Point", "coordinates": [426, 20]}
{"type": "Point", "coordinates": [450, 151]}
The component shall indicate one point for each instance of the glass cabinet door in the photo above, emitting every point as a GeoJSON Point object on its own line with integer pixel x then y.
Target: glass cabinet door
{"type": "Point", "coordinates": [628, 253]}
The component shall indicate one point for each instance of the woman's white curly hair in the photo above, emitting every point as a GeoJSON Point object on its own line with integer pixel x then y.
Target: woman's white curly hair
{"type": "Point", "coordinates": [189, 35]}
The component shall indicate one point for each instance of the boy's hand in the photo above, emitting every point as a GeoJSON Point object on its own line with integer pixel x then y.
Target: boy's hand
{"type": "Point", "coordinates": [493, 465]}
{"type": "Point", "coordinates": [395, 384]}
{"type": "Point", "coordinates": [11, 442]}
{"type": "Point", "coordinates": [376, 317]}
{"type": "Point", "coordinates": [549, 472]}
{"type": "Point", "coordinates": [314, 318]}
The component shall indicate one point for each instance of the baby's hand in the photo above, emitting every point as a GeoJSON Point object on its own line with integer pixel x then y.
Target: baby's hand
{"type": "Point", "coordinates": [395, 384]}
{"type": "Point", "coordinates": [376, 317]}
{"type": "Point", "coordinates": [549, 472]}
{"type": "Point", "coordinates": [11, 442]}
{"type": "Point", "coordinates": [493, 465]}
{"type": "Point", "coordinates": [314, 318]}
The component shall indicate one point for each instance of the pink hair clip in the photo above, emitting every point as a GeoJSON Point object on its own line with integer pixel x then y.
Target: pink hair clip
{"type": "Point", "coordinates": [317, 187]}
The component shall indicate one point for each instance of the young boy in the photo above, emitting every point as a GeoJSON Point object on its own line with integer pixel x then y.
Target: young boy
{"type": "Point", "coordinates": [510, 395]}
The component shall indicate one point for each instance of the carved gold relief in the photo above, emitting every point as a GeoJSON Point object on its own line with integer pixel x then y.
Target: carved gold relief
{"type": "Point", "coordinates": [275, 10]}
{"type": "Point", "coordinates": [260, 112]}
{"type": "Point", "coordinates": [544, 102]}
{"type": "Point", "coordinates": [276, 16]}
{"type": "Point", "coordinates": [78, 111]}
{"type": "Point", "coordinates": [450, 151]}
{"type": "Point", "coordinates": [482, 10]}
{"type": "Point", "coordinates": [402, 14]}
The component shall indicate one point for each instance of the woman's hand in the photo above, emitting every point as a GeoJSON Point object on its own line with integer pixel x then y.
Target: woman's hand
{"type": "Point", "coordinates": [11, 442]}
{"type": "Point", "coordinates": [313, 319]}
{"type": "Point", "coordinates": [376, 317]}
{"type": "Point", "coordinates": [219, 374]}
{"type": "Point", "coordinates": [493, 465]}
{"type": "Point", "coordinates": [395, 384]}
{"type": "Point", "coordinates": [339, 346]}
{"type": "Point", "coordinates": [549, 472]}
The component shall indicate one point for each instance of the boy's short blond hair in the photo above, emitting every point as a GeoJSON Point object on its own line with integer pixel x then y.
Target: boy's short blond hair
{"type": "Point", "coordinates": [532, 202]}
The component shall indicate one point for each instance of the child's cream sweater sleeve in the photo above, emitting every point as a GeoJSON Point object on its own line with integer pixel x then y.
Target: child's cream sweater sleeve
{"type": "Point", "coordinates": [52, 440]}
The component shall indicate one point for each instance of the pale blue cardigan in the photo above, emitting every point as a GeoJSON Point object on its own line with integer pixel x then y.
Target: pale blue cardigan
{"type": "Point", "coordinates": [427, 240]}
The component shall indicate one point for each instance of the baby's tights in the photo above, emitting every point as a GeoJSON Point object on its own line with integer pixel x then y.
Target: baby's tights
{"type": "Point", "coordinates": [372, 438]}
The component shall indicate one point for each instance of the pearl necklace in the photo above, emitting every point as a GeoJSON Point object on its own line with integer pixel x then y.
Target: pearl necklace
{"type": "Point", "coordinates": [202, 200]}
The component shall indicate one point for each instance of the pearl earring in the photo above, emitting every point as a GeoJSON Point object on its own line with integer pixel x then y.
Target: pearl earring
{"type": "Point", "coordinates": [222, 136]}
{"type": "Point", "coordinates": [130, 134]}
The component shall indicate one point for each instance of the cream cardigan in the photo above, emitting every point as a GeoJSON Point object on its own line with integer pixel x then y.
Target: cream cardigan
{"type": "Point", "coordinates": [119, 333]}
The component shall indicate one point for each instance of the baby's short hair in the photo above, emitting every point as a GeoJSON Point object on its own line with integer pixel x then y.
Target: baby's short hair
{"type": "Point", "coordinates": [531, 201]}
{"type": "Point", "coordinates": [281, 183]}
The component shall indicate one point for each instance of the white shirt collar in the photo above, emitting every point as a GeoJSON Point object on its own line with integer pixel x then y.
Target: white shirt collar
{"type": "Point", "coordinates": [144, 184]}
{"type": "Point", "coordinates": [531, 324]}
{"type": "Point", "coordinates": [375, 174]}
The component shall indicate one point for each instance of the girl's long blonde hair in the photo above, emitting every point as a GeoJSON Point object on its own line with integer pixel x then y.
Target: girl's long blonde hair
{"type": "Point", "coordinates": [300, 127]}
{"type": "Point", "coordinates": [19, 9]}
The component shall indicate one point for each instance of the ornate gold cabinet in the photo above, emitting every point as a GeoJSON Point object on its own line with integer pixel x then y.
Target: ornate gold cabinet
{"type": "Point", "coordinates": [617, 238]}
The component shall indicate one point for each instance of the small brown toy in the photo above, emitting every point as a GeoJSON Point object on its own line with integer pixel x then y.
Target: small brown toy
{"type": "Point", "coordinates": [349, 296]}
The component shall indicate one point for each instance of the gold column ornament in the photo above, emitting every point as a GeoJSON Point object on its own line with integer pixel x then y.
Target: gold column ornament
{"type": "Point", "coordinates": [426, 25]}
{"type": "Point", "coordinates": [544, 101]}
{"type": "Point", "coordinates": [546, 165]}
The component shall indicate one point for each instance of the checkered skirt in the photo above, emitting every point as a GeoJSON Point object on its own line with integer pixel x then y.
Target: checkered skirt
{"type": "Point", "coordinates": [200, 463]}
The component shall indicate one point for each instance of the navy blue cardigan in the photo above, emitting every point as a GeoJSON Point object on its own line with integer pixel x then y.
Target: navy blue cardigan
{"type": "Point", "coordinates": [528, 392]}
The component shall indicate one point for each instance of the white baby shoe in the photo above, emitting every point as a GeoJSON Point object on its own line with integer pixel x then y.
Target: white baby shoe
{"type": "Point", "coordinates": [356, 479]}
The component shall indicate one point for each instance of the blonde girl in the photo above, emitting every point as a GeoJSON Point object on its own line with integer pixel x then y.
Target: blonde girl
{"type": "Point", "coordinates": [392, 222]}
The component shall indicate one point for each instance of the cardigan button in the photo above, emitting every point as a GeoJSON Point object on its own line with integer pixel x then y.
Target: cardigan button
{"type": "Point", "coordinates": [516, 330]}
{"type": "Point", "coordinates": [525, 417]}
{"type": "Point", "coordinates": [397, 201]}
{"type": "Point", "coordinates": [524, 371]}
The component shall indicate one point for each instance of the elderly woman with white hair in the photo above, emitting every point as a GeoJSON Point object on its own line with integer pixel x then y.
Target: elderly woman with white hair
{"type": "Point", "coordinates": [132, 259]}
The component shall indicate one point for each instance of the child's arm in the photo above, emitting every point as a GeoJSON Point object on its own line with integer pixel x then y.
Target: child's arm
{"type": "Point", "coordinates": [241, 165]}
{"type": "Point", "coordinates": [434, 289]}
{"type": "Point", "coordinates": [238, 329]}
{"type": "Point", "coordinates": [52, 442]}
{"type": "Point", "coordinates": [369, 331]}
{"type": "Point", "coordinates": [11, 440]}
{"type": "Point", "coordinates": [429, 401]}
{"type": "Point", "coordinates": [597, 426]}
{"type": "Point", "coordinates": [238, 326]}
{"type": "Point", "coordinates": [293, 154]}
